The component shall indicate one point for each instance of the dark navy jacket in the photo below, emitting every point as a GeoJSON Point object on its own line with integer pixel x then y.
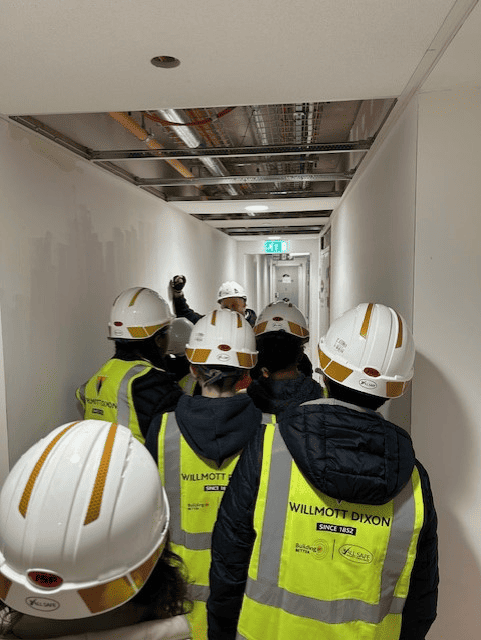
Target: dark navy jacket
{"type": "Point", "coordinates": [275, 396]}
{"type": "Point", "coordinates": [215, 428]}
{"type": "Point", "coordinates": [347, 453]}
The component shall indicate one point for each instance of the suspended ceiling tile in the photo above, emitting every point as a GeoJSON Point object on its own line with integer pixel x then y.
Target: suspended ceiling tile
{"type": "Point", "coordinates": [63, 56]}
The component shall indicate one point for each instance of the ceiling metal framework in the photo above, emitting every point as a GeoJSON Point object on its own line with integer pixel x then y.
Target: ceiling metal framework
{"type": "Point", "coordinates": [258, 152]}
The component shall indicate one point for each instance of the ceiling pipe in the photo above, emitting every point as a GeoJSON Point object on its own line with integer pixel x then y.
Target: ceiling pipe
{"type": "Point", "coordinates": [139, 132]}
{"type": "Point", "coordinates": [193, 140]}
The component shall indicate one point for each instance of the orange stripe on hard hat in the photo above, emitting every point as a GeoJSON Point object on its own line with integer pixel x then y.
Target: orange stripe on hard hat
{"type": "Point", "coordinates": [367, 320]}
{"type": "Point", "coordinates": [197, 356]}
{"type": "Point", "coordinates": [137, 332]}
{"type": "Point", "coordinates": [337, 371]}
{"type": "Point", "coordinates": [400, 332]}
{"type": "Point", "coordinates": [260, 328]}
{"type": "Point", "coordinates": [93, 511]}
{"type": "Point", "coordinates": [5, 585]}
{"type": "Point", "coordinates": [111, 594]}
{"type": "Point", "coordinates": [395, 389]}
{"type": "Point", "coordinates": [246, 360]}
{"type": "Point", "coordinates": [107, 596]}
{"type": "Point", "coordinates": [136, 295]}
{"type": "Point", "coordinates": [323, 359]}
{"type": "Point", "coordinates": [27, 493]}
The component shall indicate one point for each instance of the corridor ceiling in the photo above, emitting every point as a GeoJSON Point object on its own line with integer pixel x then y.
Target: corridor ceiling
{"type": "Point", "coordinates": [268, 103]}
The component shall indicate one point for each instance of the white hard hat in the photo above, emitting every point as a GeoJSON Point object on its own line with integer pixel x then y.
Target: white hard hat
{"type": "Point", "coordinates": [231, 289]}
{"type": "Point", "coordinates": [83, 521]}
{"type": "Point", "coordinates": [282, 316]}
{"type": "Point", "coordinates": [138, 313]}
{"type": "Point", "coordinates": [370, 349]}
{"type": "Point", "coordinates": [179, 335]}
{"type": "Point", "coordinates": [222, 337]}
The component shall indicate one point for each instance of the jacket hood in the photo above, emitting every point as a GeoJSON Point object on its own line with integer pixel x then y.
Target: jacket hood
{"type": "Point", "coordinates": [347, 452]}
{"type": "Point", "coordinates": [217, 428]}
{"type": "Point", "coordinates": [275, 396]}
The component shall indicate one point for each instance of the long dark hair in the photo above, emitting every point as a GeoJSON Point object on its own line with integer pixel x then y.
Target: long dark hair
{"type": "Point", "coordinates": [165, 592]}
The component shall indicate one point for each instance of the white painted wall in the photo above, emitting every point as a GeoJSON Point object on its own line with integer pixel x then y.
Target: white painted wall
{"type": "Point", "coordinates": [72, 238]}
{"type": "Point", "coordinates": [372, 230]}
{"type": "Point", "coordinates": [372, 237]}
{"type": "Point", "coordinates": [408, 235]}
{"type": "Point", "coordinates": [446, 408]}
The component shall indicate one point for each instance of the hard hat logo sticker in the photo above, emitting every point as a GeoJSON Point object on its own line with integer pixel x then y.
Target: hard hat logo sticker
{"type": "Point", "coordinates": [43, 604]}
{"type": "Point", "coordinates": [368, 384]}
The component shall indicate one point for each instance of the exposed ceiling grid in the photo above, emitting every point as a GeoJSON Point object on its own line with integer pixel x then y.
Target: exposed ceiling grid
{"type": "Point", "coordinates": [273, 103]}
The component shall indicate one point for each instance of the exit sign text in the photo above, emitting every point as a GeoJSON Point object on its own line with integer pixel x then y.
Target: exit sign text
{"type": "Point", "coordinates": [276, 246]}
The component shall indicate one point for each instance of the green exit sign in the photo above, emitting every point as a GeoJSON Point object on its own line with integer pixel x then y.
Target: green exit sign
{"type": "Point", "coordinates": [276, 246]}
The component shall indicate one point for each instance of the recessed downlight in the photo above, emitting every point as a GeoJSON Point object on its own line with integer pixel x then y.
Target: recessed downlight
{"type": "Point", "coordinates": [165, 62]}
{"type": "Point", "coordinates": [256, 208]}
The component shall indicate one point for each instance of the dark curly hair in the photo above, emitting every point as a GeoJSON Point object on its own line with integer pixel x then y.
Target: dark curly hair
{"type": "Point", "coordinates": [165, 591]}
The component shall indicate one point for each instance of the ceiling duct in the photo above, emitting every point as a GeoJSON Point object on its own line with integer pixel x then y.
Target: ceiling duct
{"type": "Point", "coordinates": [193, 140]}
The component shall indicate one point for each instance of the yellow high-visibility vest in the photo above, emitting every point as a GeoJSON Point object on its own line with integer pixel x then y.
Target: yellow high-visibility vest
{"type": "Point", "coordinates": [194, 487]}
{"type": "Point", "coordinates": [108, 393]}
{"type": "Point", "coordinates": [322, 568]}
{"type": "Point", "coordinates": [188, 384]}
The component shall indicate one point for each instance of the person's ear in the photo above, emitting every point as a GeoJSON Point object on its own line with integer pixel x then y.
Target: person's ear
{"type": "Point", "coordinates": [265, 372]}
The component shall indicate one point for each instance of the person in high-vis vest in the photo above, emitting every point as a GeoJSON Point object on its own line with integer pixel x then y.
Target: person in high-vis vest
{"type": "Point", "coordinates": [281, 333]}
{"type": "Point", "coordinates": [327, 529]}
{"type": "Point", "coordinates": [197, 446]}
{"type": "Point", "coordinates": [83, 553]}
{"type": "Point", "coordinates": [133, 385]}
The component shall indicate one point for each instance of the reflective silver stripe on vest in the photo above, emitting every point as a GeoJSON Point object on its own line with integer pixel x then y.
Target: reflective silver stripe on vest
{"type": "Point", "coordinates": [265, 589]}
{"type": "Point", "coordinates": [267, 418]}
{"type": "Point", "coordinates": [123, 406]}
{"type": "Point", "coordinates": [195, 541]}
{"type": "Point", "coordinates": [198, 592]}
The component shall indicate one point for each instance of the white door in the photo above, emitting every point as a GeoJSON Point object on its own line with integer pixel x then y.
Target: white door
{"type": "Point", "coordinates": [290, 282]}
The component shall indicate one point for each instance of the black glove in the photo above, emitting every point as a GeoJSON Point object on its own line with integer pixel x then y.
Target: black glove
{"type": "Point", "coordinates": [177, 283]}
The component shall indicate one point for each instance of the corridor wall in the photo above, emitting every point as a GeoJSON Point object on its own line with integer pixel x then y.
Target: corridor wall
{"type": "Point", "coordinates": [372, 236]}
{"type": "Point", "coordinates": [72, 238]}
{"type": "Point", "coordinates": [407, 234]}
{"type": "Point", "coordinates": [446, 409]}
